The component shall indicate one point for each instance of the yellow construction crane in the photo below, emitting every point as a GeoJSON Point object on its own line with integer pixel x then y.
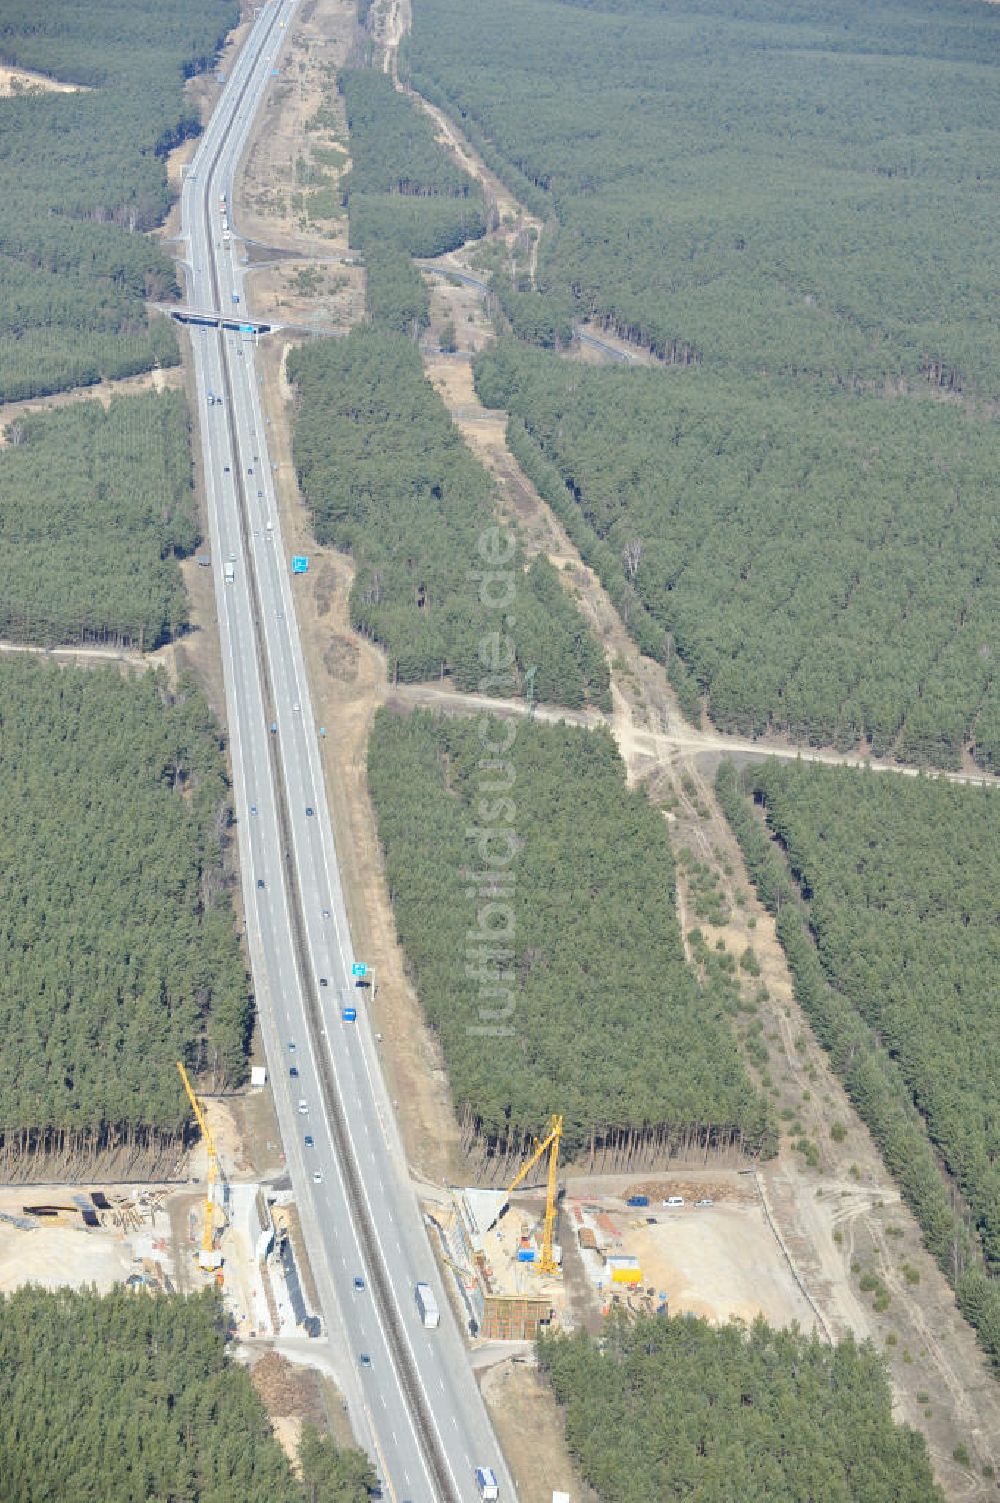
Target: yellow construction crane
{"type": "Point", "coordinates": [209, 1257]}
{"type": "Point", "coordinates": [546, 1263]}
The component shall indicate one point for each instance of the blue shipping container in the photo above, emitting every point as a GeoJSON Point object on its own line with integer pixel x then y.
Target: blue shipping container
{"type": "Point", "coordinates": [526, 1255]}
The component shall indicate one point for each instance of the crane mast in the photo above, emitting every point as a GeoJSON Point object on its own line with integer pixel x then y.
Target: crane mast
{"type": "Point", "coordinates": [209, 1257]}
{"type": "Point", "coordinates": [550, 1144]}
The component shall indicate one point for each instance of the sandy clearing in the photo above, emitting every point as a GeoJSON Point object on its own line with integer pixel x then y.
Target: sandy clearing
{"type": "Point", "coordinates": [19, 81]}
{"type": "Point", "coordinates": [60, 1257]}
{"type": "Point", "coordinates": [171, 379]}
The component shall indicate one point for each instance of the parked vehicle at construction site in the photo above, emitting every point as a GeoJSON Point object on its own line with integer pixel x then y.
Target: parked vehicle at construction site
{"type": "Point", "coordinates": [430, 1315]}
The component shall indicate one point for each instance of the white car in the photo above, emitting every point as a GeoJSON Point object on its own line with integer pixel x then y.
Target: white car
{"type": "Point", "coordinates": [303, 1108]}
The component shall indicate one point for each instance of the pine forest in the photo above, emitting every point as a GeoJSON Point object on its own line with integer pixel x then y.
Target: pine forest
{"type": "Point", "coordinates": [580, 1000]}
{"type": "Point", "coordinates": [403, 188]}
{"type": "Point", "coordinates": [118, 949]}
{"type": "Point", "coordinates": [82, 173]}
{"type": "Point", "coordinates": [758, 186]}
{"type": "Point", "coordinates": [97, 506]}
{"type": "Point", "coordinates": [826, 569]}
{"type": "Point", "coordinates": [885, 894]}
{"type": "Point", "coordinates": [129, 1397]}
{"type": "Point", "coordinates": [678, 1408]}
{"type": "Point", "coordinates": [389, 480]}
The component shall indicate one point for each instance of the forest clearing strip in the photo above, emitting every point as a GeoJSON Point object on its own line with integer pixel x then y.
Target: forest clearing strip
{"type": "Point", "coordinates": [657, 746]}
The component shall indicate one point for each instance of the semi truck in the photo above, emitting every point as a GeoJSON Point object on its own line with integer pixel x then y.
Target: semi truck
{"type": "Point", "coordinates": [430, 1315]}
{"type": "Point", "coordinates": [486, 1481]}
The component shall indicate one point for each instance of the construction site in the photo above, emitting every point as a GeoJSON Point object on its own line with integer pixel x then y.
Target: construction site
{"type": "Point", "coordinates": [242, 1235]}
{"type": "Point", "coordinates": [699, 1242]}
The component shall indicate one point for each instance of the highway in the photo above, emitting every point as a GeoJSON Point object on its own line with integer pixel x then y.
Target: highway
{"type": "Point", "coordinates": [413, 1402]}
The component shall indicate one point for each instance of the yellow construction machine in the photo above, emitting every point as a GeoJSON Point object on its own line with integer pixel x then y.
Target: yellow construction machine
{"type": "Point", "coordinates": [209, 1256]}
{"type": "Point", "coordinates": [546, 1263]}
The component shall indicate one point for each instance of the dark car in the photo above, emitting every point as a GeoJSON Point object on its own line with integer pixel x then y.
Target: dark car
{"type": "Point", "coordinates": [260, 881]}
{"type": "Point", "coordinates": [323, 981]}
{"type": "Point", "coordinates": [294, 1072]}
{"type": "Point", "coordinates": [309, 809]}
{"type": "Point", "coordinates": [359, 1283]}
{"type": "Point", "coordinates": [309, 1141]}
{"type": "Point", "coordinates": [364, 1360]}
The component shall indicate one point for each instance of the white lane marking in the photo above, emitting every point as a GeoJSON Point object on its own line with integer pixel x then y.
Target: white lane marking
{"type": "Point", "coordinates": [296, 667]}
{"type": "Point", "coordinates": [239, 690]}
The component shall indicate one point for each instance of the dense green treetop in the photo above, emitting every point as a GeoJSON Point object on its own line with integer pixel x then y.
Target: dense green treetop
{"type": "Point", "coordinates": [96, 507]}
{"type": "Point", "coordinates": [605, 1022]}
{"type": "Point", "coordinates": [394, 146]}
{"type": "Point", "coordinates": [130, 1398]}
{"type": "Point", "coordinates": [901, 880]}
{"type": "Point", "coordinates": [680, 1409]}
{"type": "Point", "coordinates": [389, 478]}
{"type": "Point", "coordinates": [824, 564]}
{"type": "Point", "coordinates": [81, 174]}
{"type": "Point", "coordinates": [404, 188]}
{"type": "Point", "coordinates": [118, 949]}
{"type": "Point", "coordinates": [396, 297]}
{"type": "Point", "coordinates": [960, 1233]}
{"type": "Point", "coordinates": [756, 184]}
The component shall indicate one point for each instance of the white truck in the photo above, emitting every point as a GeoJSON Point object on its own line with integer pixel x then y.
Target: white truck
{"type": "Point", "coordinates": [230, 571]}
{"type": "Point", "coordinates": [486, 1481]}
{"type": "Point", "coordinates": [430, 1315]}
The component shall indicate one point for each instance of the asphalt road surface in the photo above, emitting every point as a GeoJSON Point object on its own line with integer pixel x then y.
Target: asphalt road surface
{"type": "Point", "coordinates": [413, 1402]}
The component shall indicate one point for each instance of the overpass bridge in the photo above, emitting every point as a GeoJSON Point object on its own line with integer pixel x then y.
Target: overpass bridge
{"type": "Point", "coordinates": [237, 323]}
{"type": "Point", "coordinates": [212, 318]}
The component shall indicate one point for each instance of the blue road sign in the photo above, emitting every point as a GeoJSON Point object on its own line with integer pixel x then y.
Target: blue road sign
{"type": "Point", "coordinates": [359, 968]}
{"type": "Point", "coordinates": [299, 563]}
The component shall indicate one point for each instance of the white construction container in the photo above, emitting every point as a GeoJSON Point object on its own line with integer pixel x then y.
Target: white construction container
{"type": "Point", "coordinates": [430, 1315]}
